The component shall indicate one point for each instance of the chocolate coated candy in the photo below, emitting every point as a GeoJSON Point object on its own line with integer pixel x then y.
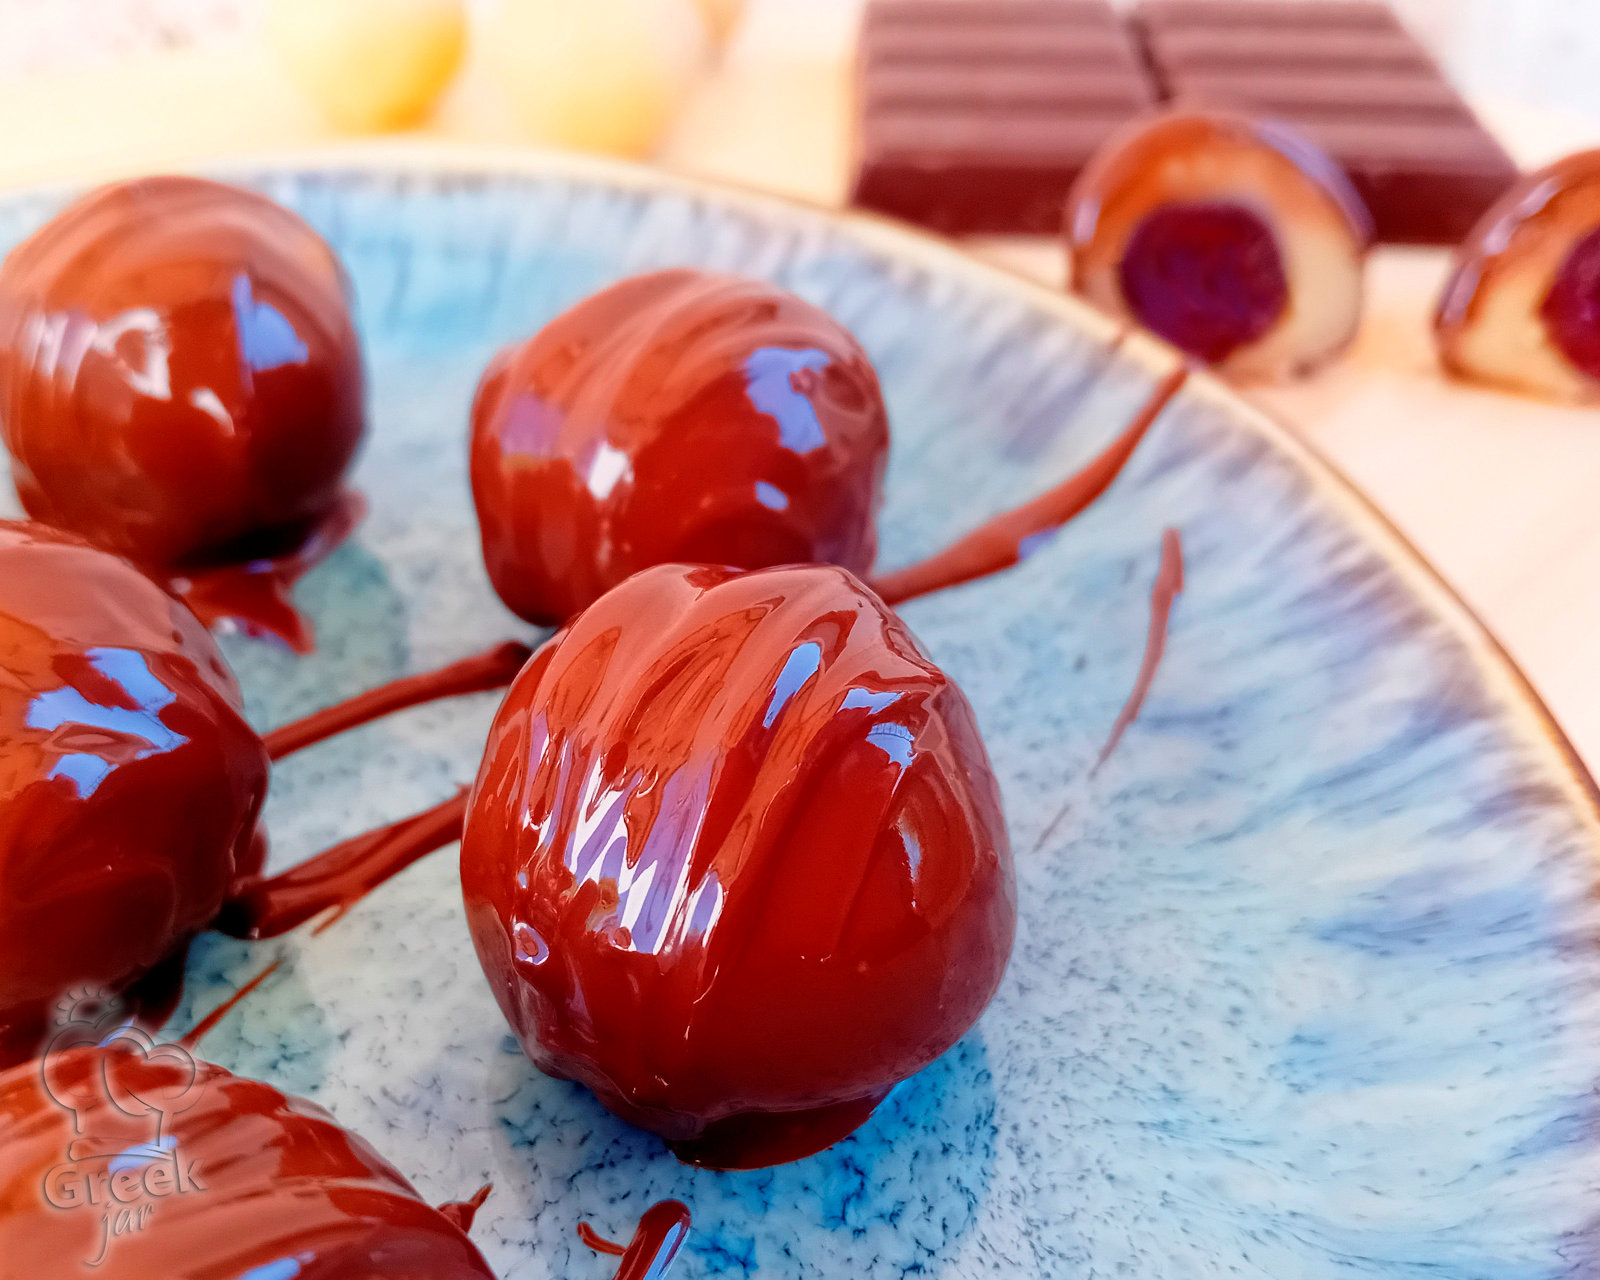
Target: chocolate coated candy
{"type": "Point", "coordinates": [1522, 309]}
{"type": "Point", "coordinates": [678, 416]}
{"type": "Point", "coordinates": [180, 378]}
{"type": "Point", "coordinates": [130, 783]}
{"type": "Point", "coordinates": [735, 858]}
{"type": "Point", "coordinates": [225, 1177]}
{"type": "Point", "coordinates": [1238, 242]}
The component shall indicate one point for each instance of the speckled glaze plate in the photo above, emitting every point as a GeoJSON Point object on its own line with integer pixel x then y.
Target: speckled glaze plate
{"type": "Point", "coordinates": [1306, 981]}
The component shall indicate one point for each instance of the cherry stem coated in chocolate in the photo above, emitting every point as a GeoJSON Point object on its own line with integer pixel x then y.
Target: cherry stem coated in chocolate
{"type": "Point", "coordinates": [265, 907]}
{"type": "Point", "coordinates": [594, 1240]}
{"type": "Point", "coordinates": [493, 669]}
{"type": "Point", "coordinates": [208, 1024]}
{"type": "Point", "coordinates": [464, 1212]}
{"type": "Point", "coordinates": [339, 877]}
{"type": "Point", "coordinates": [661, 1233]}
{"type": "Point", "coordinates": [999, 543]}
{"type": "Point", "coordinates": [1168, 586]}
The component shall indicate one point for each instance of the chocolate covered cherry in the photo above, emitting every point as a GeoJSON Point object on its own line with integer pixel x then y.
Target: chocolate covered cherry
{"type": "Point", "coordinates": [180, 378]}
{"type": "Point", "coordinates": [674, 417]}
{"type": "Point", "coordinates": [735, 859]}
{"type": "Point", "coordinates": [1522, 309]}
{"type": "Point", "coordinates": [130, 783]}
{"type": "Point", "coordinates": [1237, 241]}
{"type": "Point", "coordinates": [226, 1178]}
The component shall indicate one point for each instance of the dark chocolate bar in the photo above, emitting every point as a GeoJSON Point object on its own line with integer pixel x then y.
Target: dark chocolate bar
{"type": "Point", "coordinates": [1350, 78]}
{"type": "Point", "coordinates": [976, 115]}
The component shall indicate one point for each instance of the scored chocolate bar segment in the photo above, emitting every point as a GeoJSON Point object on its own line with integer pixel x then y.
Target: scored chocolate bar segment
{"type": "Point", "coordinates": [1242, 50]}
{"type": "Point", "coordinates": [1337, 95]}
{"type": "Point", "coordinates": [1350, 78]}
{"type": "Point", "coordinates": [1083, 13]}
{"type": "Point", "coordinates": [976, 115]}
{"type": "Point", "coordinates": [1003, 46]}
{"type": "Point", "coordinates": [1339, 15]}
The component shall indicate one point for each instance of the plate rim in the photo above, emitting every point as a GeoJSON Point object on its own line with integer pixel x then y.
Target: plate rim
{"type": "Point", "coordinates": [433, 159]}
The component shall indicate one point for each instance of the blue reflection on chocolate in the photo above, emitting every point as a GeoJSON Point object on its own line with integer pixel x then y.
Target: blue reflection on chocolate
{"type": "Point", "coordinates": [799, 667]}
{"type": "Point", "coordinates": [68, 708]}
{"type": "Point", "coordinates": [266, 338]}
{"type": "Point", "coordinates": [771, 373]}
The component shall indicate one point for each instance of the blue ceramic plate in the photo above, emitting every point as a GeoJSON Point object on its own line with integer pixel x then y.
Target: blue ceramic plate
{"type": "Point", "coordinates": [1305, 982]}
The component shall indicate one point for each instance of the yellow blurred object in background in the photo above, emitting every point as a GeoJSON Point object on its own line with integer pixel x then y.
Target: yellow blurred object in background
{"type": "Point", "coordinates": [597, 75]}
{"type": "Point", "coordinates": [721, 16]}
{"type": "Point", "coordinates": [369, 64]}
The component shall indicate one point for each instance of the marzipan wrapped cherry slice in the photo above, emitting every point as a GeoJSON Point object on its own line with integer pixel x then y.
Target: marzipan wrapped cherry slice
{"type": "Point", "coordinates": [1522, 309]}
{"type": "Point", "coordinates": [1236, 240]}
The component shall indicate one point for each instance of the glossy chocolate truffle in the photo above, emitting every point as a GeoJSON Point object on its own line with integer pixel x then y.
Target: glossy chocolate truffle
{"type": "Point", "coordinates": [130, 783]}
{"type": "Point", "coordinates": [735, 859]}
{"type": "Point", "coordinates": [226, 1177]}
{"type": "Point", "coordinates": [1238, 242]}
{"type": "Point", "coordinates": [1522, 308]}
{"type": "Point", "coordinates": [678, 416]}
{"type": "Point", "coordinates": [180, 379]}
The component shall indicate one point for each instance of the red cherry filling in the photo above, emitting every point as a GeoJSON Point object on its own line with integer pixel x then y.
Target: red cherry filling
{"type": "Point", "coordinates": [1571, 309]}
{"type": "Point", "coordinates": [1207, 277]}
